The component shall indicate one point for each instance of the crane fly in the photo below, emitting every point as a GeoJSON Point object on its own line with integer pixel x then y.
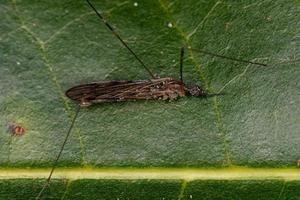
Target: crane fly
{"type": "Point", "coordinates": [125, 90]}
{"type": "Point", "coordinates": [114, 91]}
{"type": "Point", "coordinates": [155, 88]}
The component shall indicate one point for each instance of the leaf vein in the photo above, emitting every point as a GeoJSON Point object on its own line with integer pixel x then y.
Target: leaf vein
{"type": "Point", "coordinates": [44, 56]}
{"type": "Point", "coordinates": [202, 22]}
{"type": "Point", "coordinates": [208, 87]}
{"type": "Point", "coordinates": [77, 19]}
{"type": "Point", "coordinates": [182, 190]}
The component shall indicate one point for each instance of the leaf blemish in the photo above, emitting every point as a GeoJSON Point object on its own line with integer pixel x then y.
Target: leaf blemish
{"type": "Point", "coordinates": [16, 130]}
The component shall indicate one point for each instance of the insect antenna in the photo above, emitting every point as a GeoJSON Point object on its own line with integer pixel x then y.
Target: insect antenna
{"type": "Point", "coordinates": [122, 41]}
{"type": "Point", "coordinates": [59, 154]}
{"type": "Point", "coordinates": [226, 57]}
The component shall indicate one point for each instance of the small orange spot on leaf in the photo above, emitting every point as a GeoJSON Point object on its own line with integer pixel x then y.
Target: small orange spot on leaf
{"type": "Point", "coordinates": [16, 130]}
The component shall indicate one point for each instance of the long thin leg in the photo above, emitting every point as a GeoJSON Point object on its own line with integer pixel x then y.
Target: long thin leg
{"type": "Point", "coordinates": [121, 40]}
{"type": "Point", "coordinates": [59, 154]}
{"type": "Point", "coordinates": [181, 64]}
{"type": "Point", "coordinates": [226, 57]}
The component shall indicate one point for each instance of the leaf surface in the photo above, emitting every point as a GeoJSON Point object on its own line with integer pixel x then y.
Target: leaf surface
{"type": "Point", "coordinates": [46, 47]}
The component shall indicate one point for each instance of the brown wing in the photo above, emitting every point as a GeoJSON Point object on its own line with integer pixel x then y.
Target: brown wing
{"type": "Point", "coordinates": [109, 91]}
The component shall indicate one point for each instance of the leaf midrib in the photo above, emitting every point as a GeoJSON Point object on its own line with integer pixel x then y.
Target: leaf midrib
{"type": "Point", "coordinates": [187, 174]}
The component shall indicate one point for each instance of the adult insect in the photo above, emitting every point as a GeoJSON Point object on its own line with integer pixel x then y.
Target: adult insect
{"type": "Point", "coordinates": [154, 88]}
{"type": "Point", "coordinates": [125, 90]}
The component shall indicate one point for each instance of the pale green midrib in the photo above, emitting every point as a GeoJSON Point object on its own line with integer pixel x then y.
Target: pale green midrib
{"type": "Point", "coordinates": [188, 174]}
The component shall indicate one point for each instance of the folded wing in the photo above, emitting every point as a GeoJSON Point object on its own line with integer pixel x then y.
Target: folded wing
{"type": "Point", "coordinates": [110, 91]}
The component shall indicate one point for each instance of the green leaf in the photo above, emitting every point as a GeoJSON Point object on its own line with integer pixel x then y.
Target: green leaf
{"type": "Point", "coordinates": [46, 47]}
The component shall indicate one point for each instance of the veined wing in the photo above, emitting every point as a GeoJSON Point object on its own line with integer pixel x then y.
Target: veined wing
{"type": "Point", "coordinates": [126, 90]}
{"type": "Point", "coordinates": [102, 88]}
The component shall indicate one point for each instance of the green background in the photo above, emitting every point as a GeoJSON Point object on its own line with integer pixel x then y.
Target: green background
{"type": "Point", "coordinates": [46, 47]}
